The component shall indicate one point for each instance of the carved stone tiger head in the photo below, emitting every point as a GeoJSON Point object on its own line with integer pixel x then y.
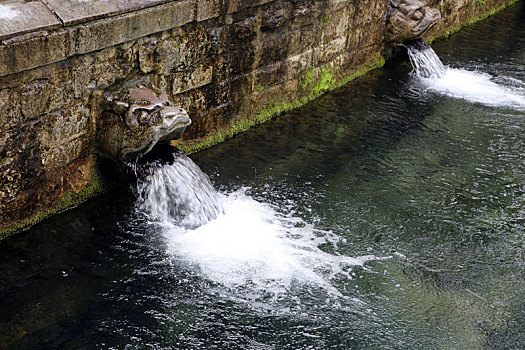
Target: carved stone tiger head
{"type": "Point", "coordinates": [135, 119]}
{"type": "Point", "coordinates": [409, 19]}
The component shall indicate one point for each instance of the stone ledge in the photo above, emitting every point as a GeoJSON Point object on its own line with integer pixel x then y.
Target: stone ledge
{"type": "Point", "coordinates": [40, 32]}
{"type": "Point", "coordinates": [79, 11]}
{"type": "Point", "coordinates": [18, 17]}
{"type": "Point", "coordinates": [42, 48]}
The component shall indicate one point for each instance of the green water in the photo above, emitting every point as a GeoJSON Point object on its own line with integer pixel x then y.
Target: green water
{"type": "Point", "coordinates": [429, 185]}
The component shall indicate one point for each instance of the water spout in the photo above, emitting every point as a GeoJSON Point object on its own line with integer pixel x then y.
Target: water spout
{"type": "Point", "coordinates": [432, 76]}
{"type": "Point", "coordinates": [179, 194]}
{"type": "Point", "coordinates": [234, 240]}
{"type": "Point", "coordinates": [424, 60]}
{"type": "Point", "coordinates": [137, 117]}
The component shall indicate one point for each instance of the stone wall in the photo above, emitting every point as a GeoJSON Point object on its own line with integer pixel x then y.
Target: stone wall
{"type": "Point", "coordinates": [229, 63]}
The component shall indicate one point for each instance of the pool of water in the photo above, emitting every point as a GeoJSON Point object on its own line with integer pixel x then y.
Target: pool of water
{"type": "Point", "coordinates": [389, 214]}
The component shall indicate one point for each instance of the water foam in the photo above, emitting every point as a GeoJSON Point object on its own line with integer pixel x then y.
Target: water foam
{"type": "Point", "coordinates": [249, 245]}
{"type": "Point", "coordinates": [475, 87]}
{"type": "Point", "coordinates": [472, 86]}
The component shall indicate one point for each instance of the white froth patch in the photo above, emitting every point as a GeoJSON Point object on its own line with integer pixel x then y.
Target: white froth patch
{"type": "Point", "coordinates": [237, 242]}
{"type": "Point", "coordinates": [8, 12]}
{"type": "Point", "coordinates": [252, 246]}
{"type": "Point", "coordinates": [475, 87]}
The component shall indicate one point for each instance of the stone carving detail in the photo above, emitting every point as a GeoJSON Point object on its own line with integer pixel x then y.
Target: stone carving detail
{"type": "Point", "coordinates": [409, 19]}
{"type": "Point", "coordinates": [135, 119]}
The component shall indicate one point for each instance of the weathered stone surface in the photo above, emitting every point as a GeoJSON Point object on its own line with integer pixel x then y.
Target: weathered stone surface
{"type": "Point", "coordinates": [207, 9]}
{"type": "Point", "coordinates": [135, 118]}
{"type": "Point", "coordinates": [457, 13]}
{"type": "Point", "coordinates": [37, 51]}
{"type": "Point", "coordinates": [112, 31]}
{"type": "Point", "coordinates": [237, 5]}
{"type": "Point", "coordinates": [409, 19]}
{"type": "Point", "coordinates": [18, 17]}
{"type": "Point", "coordinates": [44, 49]}
{"type": "Point", "coordinates": [196, 78]}
{"type": "Point", "coordinates": [78, 11]}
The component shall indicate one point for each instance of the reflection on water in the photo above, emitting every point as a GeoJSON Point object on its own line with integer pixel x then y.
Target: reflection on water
{"type": "Point", "coordinates": [380, 216]}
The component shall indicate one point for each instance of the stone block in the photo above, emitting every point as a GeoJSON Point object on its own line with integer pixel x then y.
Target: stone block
{"type": "Point", "coordinates": [298, 64]}
{"type": "Point", "coordinates": [184, 81]}
{"type": "Point", "coordinates": [183, 50]}
{"type": "Point", "coordinates": [112, 31]}
{"type": "Point", "coordinates": [10, 114]}
{"type": "Point", "coordinates": [326, 53]}
{"type": "Point", "coordinates": [35, 52]}
{"type": "Point", "coordinates": [275, 16]}
{"type": "Point", "coordinates": [78, 11]}
{"type": "Point", "coordinates": [207, 9]}
{"type": "Point", "coordinates": [271, 75]}
{"type": "Point", "coordinates": [237, 5]}
{"type": "Point", "coordinates": [338, 5]}
{"type": "Point", "coordinates": [93, 36]}
{"type": "Point", "coordinates": [305, 13]}
{"type": "Point", "coordinates": [18, 17]}
{"type": "Point", "coordinates": [147, 50]}
{"type": "Point", "coordinates": [64, 136]}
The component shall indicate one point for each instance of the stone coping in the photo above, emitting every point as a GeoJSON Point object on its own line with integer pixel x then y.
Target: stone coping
{"type": "Point", "coordinates": [35, 33]}
{"type": "Point", "coordinates": [78, 11]}
{"type": "Point", "coordinates": [18, 17]}
{"type": "Point", "coordinates": [21, 16]}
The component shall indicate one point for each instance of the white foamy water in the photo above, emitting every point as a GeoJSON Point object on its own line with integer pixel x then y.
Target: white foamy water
{"type": "Point", "coordinates": [8, 11]}
{"type": "Point", "coordinates": [181, 194]}
{"type": "Point", "coordinates": [425, 61]}
{"type": "Point", "coordinates": [476, 87]}
{"type": "Point", "coordinates": [249, 246]}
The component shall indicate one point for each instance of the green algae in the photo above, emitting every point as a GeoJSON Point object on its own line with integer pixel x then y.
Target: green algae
{"type": "Point", "coordinates": [473, 20]}
{"type": "Point", "coordinates": [311, 86]}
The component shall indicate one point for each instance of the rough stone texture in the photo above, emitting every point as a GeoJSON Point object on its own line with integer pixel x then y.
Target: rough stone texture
{"type": "Point", "coordinates": [459, 12]}
{"type": "Point", "coordinates": [42, 48]}
{"type": "Point", "coordinates": [240, 63]}
{"type": "Point", "coordinates": [77, 11]}
{"type": "Point", "coordinates": [409, 19]}
{"type": "Point", "coordinates": [135, 118]}
{"type": "Point", "coordinates": [19, 17]}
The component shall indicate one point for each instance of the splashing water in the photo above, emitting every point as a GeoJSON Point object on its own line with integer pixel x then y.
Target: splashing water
{"type": "Point", "coordinates": [236, 241]}
{"type": "Point", "coordinates": [180, 194]}
{"type": "Point", "coordinates": [472, 86]}
{"type": "Point", "coordinates": [425, 61]}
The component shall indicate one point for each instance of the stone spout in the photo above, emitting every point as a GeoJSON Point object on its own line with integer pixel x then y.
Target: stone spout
{"type": "Point", "coordinates": [409, 20]}
{"type": "Point", "coordinates": [135, 119]}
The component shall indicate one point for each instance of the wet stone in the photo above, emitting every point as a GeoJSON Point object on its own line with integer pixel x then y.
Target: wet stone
{"type": "Point", "coordinates": [19, 17]}
{"type": "Point", "coordinates": [78, 11]}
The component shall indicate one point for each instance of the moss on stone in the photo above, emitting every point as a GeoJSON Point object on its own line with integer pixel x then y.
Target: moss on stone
{"type": "Point", "coordinates": [313, 87]}
{"type": "Point", "coordinates": [69, 200]}
{"type": "Point", "coordinates": [473, 20]}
